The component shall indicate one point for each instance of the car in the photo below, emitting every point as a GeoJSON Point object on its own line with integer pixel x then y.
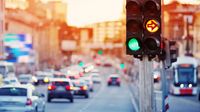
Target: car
{"type": "Point", "coordinates": [11, 81]}
{"type": "Point", "coordinates": [43, 77]}
{"type": "Point", "coordinates": [89, 82]}
{"type": "Point", "coordinates": [59, 75]}
{"type": "Point", "coordinates": [81, 88]}
{"type": "Point", "coordinates": [20, 98]}
{"type": "Point", "coordinates": [156, 76]}
{"type": "Point", "coordinates": [73, 77]}
{"type": "Point", "coordinates": [96, 78]}
{"type": "Point", "coordinates": [27, 78]}
{"type": "Point", "coordinates": [113, 79]}
{"type": "Point", "coordinates": [60, 88]}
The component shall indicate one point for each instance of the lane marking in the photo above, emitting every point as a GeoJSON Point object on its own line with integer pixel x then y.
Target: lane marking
{"type": "Point", "coordinates": [94, 98]}
{"type": "Point", "coordinates": [133, 101]}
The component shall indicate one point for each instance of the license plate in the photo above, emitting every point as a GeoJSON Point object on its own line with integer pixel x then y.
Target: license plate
{"type": "Point", "coordinates": [60, 89]}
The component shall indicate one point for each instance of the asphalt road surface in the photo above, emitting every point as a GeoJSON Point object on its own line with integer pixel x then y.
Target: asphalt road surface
{"type": "Point", "coordinates": [103, 99]}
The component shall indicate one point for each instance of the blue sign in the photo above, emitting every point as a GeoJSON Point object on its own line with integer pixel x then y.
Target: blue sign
{"type": "Point", "coordinates": [17, 46]}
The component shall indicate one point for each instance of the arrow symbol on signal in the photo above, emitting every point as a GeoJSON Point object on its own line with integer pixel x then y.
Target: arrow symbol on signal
{"type": "Point", "coordinates": [152, 25]}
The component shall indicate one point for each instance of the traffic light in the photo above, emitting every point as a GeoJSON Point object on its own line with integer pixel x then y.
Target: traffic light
{"type": "Point", "coordinates": [163, 50]}
{"type": "Point", "coordinates": [173, 49]}
{"type": "Point", "coordinates": [122, 65]}
{"type": "Point", "coordinates": [100, 52]}
{"type": "Point", "coordinates": [134, 31]}
{"type": "Point", "coordinates": [152, 27]}
{"type": "Point", "coordinates": [169, 52]}
{"type": "Point", "coordinates": [81, 63]}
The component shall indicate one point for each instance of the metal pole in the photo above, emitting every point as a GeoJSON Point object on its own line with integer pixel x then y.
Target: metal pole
{"type": "Point", "coordinates": [145, 86]}
{"type": "Point", "coordinates": [165, 105]}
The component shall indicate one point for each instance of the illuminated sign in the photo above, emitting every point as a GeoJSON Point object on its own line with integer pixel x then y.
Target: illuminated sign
{"type": "Point", "coordinates": [152, 26]}
{"type": "Point", "coordinates": [185, 65]}
{"type": "Point", "coordinates": [18, 47]}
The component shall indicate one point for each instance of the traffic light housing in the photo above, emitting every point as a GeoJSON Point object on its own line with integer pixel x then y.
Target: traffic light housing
{"type": "Point", "coordinates": [152, 27]}
{"type": "Point", "coordinates": [143, 28]}
{"type": "Point", "coordinates": [169, 52]}
{"type": "Point", "coordinates": [173, 49]}
{"type": "Point", "coordinates": [134, 31]}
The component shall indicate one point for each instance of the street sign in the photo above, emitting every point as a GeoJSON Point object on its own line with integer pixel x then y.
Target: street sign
{"type": "Point", "coordinates": [152, 26]}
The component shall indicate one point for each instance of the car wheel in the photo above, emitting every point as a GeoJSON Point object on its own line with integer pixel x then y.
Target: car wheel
{"type": "Point", "coordinates": [71, 100]}
{"type": "Point", "coordinates": [36, 109]}
{"type": "Point", "coordinates": [48, 99]}
{"type": "Point", "coordinates": [91, 90]}
{"type": "Point", "coordinates": [86, 96]}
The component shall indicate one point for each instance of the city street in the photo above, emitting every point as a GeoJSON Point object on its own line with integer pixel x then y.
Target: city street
{"type": "Point", "coordinates": [103, 99]}
{"type": "Point", "coordinates": [99, 56]}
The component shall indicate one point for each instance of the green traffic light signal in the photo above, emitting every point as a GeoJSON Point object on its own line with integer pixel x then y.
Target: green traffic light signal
{"type": "Point", "coordinates": [133, 44]}
{"type": "Point", "coordinates": [81, 64]}
{"type": "Point", "coordinates": [100, 52]}
{"type": "Point", "coordinates": [122, 65]}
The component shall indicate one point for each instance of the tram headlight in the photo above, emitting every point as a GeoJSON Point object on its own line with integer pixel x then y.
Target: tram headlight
{"type": "Point", "coordinates": [190, 85]}
{"type": "Point", "coordinates": [182, 85]}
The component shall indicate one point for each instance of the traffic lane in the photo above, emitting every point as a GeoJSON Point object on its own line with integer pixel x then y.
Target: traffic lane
{"type": "Point", "coordinates": [183, 104]}
{"type": "Point", "coordinates": [63, 104]}
{"type": "Point", "coordinates": [111, 99]}
{"type": "Point", "coordinates": [178, 103]}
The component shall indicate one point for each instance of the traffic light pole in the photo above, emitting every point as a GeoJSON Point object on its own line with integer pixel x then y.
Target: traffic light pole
{"type": "Point", "coordinates": [165, 105]}
{"type": "Point", "coordinates": [145, 86]}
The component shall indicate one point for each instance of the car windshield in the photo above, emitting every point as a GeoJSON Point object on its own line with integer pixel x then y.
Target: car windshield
{"type": "Point", "coordinates": [59, 76]}
{"type": "Point", "coordinates": [114, 78]}
{"type": "Point", "coordinates": [78, 84]}
{"type": "Point", "coordinates": [60, 83]}
{"type": "Point", "coordinates": [13, 91]}
{"type": "Point", "coordinates": [24, 78]}
{"type": "Point", "coordinates": [186, 75]}
{"type": "Point", "coordinates": [95, 75]}
{"type": "Point", "coordinates": [2, 70]}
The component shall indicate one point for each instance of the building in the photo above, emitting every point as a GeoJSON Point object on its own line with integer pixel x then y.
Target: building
{"type": "Point", "coordinates": [2, 20]}
{"type": "Point", "coordinates": [36, 20]}
{"type": "Point", "coordinates": [196, 44]}
{"type": "Point", "coordinates": [179, 24]}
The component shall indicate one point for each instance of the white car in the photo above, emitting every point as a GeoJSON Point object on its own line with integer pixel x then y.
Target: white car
{"type": "Point", "coordinates": [27, 78]}
{"type": "Point", "coordinates": [11, 81]}
{"type": "Point", "coordinates": [96, 78]}
{"type": "Point", "coordinates": [88, 80]}
{"type": "Point", "coordinates": [20, 98]}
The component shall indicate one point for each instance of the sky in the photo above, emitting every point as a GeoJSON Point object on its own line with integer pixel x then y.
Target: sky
{"type": "Point", "coordinates": [83, 12]}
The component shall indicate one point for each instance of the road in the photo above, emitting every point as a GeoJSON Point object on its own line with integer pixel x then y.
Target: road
{"type": "Point", "coordinates": [178, 103]}
{"type": "Point", "coordinates": [103, 99]}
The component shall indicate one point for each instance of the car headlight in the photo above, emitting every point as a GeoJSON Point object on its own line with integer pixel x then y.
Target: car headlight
{"type": "Point", "coordinates": [181, 85]}
{"type": "Point", "coordinates": [34, 79]}
{"type": "Point", "coordinates": [46, 79]}
{"type": "Point", "coordinates": [190, 85]}
{"type": "Point", "coordinates": [155, 76]}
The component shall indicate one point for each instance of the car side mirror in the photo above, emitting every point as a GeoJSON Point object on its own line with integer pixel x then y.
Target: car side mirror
{"type": "Point", "coordinates": [41, 95]}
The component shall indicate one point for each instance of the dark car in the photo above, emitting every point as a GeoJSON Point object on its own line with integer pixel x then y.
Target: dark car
{"type": "Point", "coordinates": [113, 80]}
{"type": "Point", "coordinates": [60, 88]}
{"type": "Point", "coordinates": [81, 88]}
